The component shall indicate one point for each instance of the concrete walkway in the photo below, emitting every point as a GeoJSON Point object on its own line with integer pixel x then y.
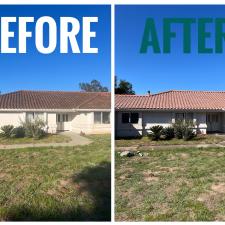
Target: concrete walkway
{"type": "Point", "coordinates": [76, 139]}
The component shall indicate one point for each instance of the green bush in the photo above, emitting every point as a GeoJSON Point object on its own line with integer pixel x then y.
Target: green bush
{"type": "Point", "coordinates": [34, 129]}
{"type": "Point", "coordinates": [6, 131]}
{"type": "Point", "coordinates": [178, 129]}
{"type": "Point", "coordinates": [156, 132]}
{"type": "Point", "coordinates": [188, 134]}
{"type": "Point", "coordinates": [184, 129]}
{"type": "Point", "coordinates": [18, 132]}
{"type": "Point", "coordinates": [168, 133]}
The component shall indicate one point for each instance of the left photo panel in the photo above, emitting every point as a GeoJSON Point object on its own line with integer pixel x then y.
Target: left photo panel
{"type": "Point", "coordinates": [55, 113]}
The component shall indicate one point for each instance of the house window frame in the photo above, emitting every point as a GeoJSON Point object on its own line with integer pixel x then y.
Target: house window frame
{"type": "Point", "coordinates": [62, 117]}
{"type": "Point", "coordinates": [185, 116]}
{"type": "Point", "coordinates": [129, 118]}
{"type": "Point", "coordinates": [35, 115]}
{"type": "Point", "coordinates": [101, 118]}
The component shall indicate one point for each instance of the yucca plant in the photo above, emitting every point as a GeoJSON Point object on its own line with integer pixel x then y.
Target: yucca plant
{"type": "Point", "coordinates": [156, 132]}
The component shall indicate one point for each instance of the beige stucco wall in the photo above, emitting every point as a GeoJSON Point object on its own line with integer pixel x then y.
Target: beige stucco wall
{"type": "Point", "coordinates": [78, 122]}
{"type": "Point", "coordinates": [84, 122]}
{"type": "Point", "coordinates": [51, 122]}
{"type": "Point", "coordinates": [11, 118]}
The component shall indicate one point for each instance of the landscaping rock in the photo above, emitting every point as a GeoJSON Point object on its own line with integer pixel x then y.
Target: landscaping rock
{"type": "Point", "coordinates": [127, 154]}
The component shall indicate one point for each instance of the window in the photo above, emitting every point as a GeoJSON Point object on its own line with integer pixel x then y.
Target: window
{"type": "Point", "coordinates": [62, 118]}
{"type": "Point", "coordinates": [212, 118]}
{"type": "Point", "coordinates": [125, 117]}
{"type": "Point", "coordinates": [189, 117]}
{"type": "Point", "coordinates": [58, 118]}
{"type": "Point", "coordinates": [106, 117]}
{"type": "Point", "coordinates": [39, 116]}
{"type": "Point", "coordinates": [215, 118]}
{"type": "Point", "coordinates": [130, 118]}
{"type": "Point", "coordinates": [184, 117]}
{"type": "Point", "coordinates": [65, 118]}
{"type": "Point", "coordinates": [134, 117]}
{"type": "Point", "coordinates": [179, 116]}
{"type": "Point", "coordinates": [101, 117]}
{"type": "Point", "coordinates": [31, 116]}
{"type": "Point", "coordinates": [97, 117]}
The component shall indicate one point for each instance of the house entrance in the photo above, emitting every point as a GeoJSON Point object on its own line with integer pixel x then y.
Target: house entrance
{"type": "Point", "coordinates": [63, 122]}
{"type": "Point", "coordinates": [213, 122]}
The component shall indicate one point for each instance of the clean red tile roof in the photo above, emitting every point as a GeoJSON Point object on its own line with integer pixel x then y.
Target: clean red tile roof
{"type": "Point", "coordinates": [183, 100]}
{"type": "Point", "coordinates": [55, 100]}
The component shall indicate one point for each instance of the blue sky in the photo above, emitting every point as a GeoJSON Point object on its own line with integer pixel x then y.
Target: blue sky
{"type": "Point", "coordinates": [161, 72]}
{"type": "Point", "coordinates": [35, 71]}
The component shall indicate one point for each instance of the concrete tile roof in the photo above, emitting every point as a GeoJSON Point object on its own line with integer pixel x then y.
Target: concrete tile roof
{"type": "Point", "coordinates": [55, 100]}
{"type": "Point", "coordinates": [181, 100]}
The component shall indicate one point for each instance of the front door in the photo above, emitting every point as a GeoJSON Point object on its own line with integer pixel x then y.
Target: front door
{"type": "Point", "coordinates": [63, 122]}
{"type": "Point", "coordinates": [213, 122]}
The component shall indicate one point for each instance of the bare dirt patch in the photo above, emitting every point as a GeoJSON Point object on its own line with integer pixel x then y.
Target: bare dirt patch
{"type": "Point", "coordinates": [172, 158]}
{"type": "Point", "coordinates": [169, 169]}
{"type": "Point", "coordinates": [220, 154]}
{"type": "Point", "coordinates": [220, 188]}
{"type": "Point", "coordinates": [184, 155]}
{"type": "Point", "coordinates": [210, 199]}
{"type": "Point", "coordinates": [150, 176]}
{"type": "Point", "coordinates": [172, 189]}
{"type": "Point", "coordinates": [3, 175]}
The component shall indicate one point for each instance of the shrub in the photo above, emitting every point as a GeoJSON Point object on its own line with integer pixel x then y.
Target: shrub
{"type": "Point", "coordinates": [34, 129]}
{"type": "Point", "coordinates": [18, 132]}
{"type": "Point", "coordinates": [168, 133]}
{"type": "Point", "coordinates": [178, 129]}
{"type": "Point", "coordinates": [7, 131]}
{"type": "Point", "coordinates": [156, 132]}
{"type": "Point", "coordinates": [188, 134]}
{"type": "Point", "coordinates": [184, 129]}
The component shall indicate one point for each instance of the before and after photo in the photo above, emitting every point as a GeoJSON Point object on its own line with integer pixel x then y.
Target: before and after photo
{"type": "Point", "coordinates": [93, 123]}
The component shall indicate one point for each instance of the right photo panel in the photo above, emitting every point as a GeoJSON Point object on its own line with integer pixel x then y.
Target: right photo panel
{"type": "Point", "coordinates": [169, 113]}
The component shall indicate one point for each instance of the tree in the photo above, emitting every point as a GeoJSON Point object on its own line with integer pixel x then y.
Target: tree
{"type": "Point", "coordinates": [124, 87]}
{"type": "Point", "coordinates": [93, 86]}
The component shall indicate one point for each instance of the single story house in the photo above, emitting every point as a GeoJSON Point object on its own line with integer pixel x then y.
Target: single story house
{"type": "Point", "coordinates": [86, 112]}
{"type": "Point", "coordinates": [136, 114]}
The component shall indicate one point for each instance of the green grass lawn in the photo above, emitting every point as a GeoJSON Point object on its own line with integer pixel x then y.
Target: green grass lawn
{"type": "Point", "coordinates": [200, 139]}
{"type": "Point", "coordinates": [171, 185]}
{"type": "Point", "coordinates": [49, 138]}
{"type": "Point", "coordinates": [70, 183]}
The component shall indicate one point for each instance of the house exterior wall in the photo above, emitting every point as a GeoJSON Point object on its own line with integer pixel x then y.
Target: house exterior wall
{"type": "Point", "coordinates": [200, 121]}
{"type": "Point", "coordinates": [84, 122]}
{"type": "Point", "coordinates": [51, 122]}
{"type": "Point", "coordinates": [11, 118]}
{"type": "Point", "coordinates": [156, 118]}
{"type": "Point", "coordinates": [78, 122]}
{"type": "Point", "coordinates": [147, 119]}
{"type": "Point", "coordinates": [127, 129]}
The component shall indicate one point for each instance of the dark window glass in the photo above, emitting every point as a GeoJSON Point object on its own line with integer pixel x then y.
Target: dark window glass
{"type": "Point", "coordinates": [134, 117]}
{"type": "Point", "coordinates": [106, 117]}
{"type": "Point", "coordinates": [97, 118]}
{"type": "Point", "coordinates": [179, 116]}
{"type": "Point", "coordinates": [125, 117]}
{"type": "Point", "coordinates": [58, 118]}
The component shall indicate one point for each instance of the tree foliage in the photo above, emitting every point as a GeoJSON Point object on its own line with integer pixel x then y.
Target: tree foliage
{"type": "Point", "coordinates": [124, 87]}
{"type": "Point", "coordinates": [93, 86]}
